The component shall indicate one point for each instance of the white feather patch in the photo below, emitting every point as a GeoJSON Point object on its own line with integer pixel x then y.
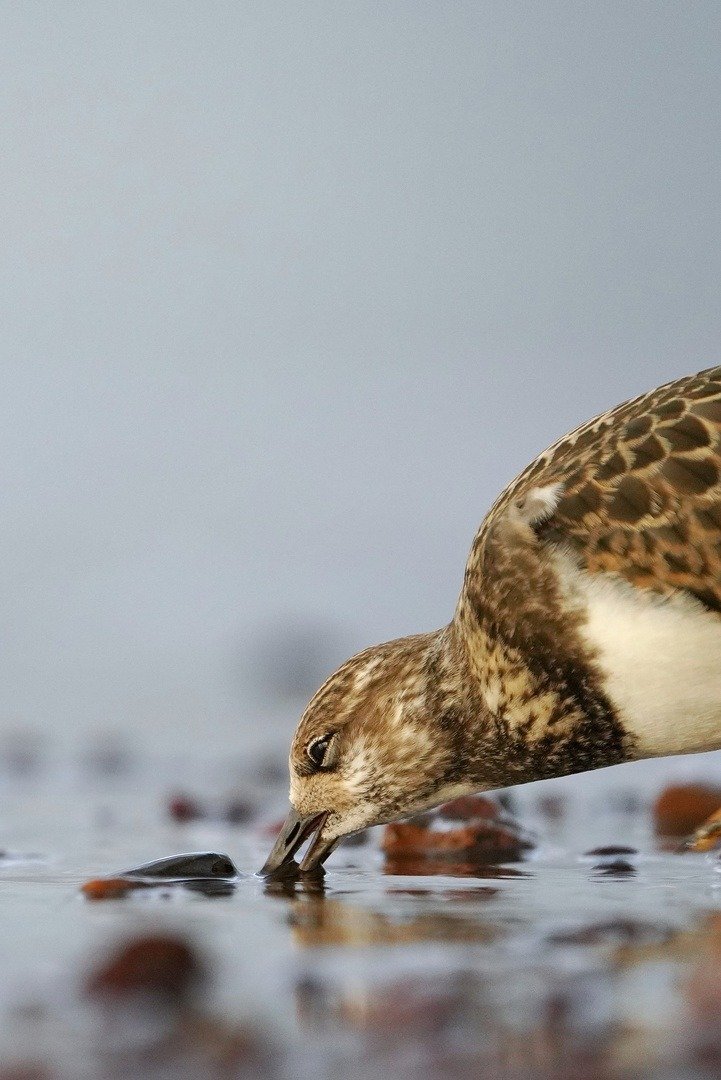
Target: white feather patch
{"type": "Point", "coordinates": [661, 658]}
{"type": "Point", "coordinates": [537, 504]}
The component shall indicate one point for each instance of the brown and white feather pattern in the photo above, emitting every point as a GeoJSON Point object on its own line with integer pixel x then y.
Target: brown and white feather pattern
{"type": "Point", "coordinates": [640, 489]}
{"type": "Point", "coordinates": [604, 557]}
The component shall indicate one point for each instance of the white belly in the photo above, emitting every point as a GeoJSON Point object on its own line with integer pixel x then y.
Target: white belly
{"type": "Point", "coordinates": [661, 658]}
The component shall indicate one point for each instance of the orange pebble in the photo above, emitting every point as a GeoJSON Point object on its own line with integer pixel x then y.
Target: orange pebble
{"type": "Point", "coordinates": [106, 888]}
{"type": "Point", "coordinates": [681, 808]}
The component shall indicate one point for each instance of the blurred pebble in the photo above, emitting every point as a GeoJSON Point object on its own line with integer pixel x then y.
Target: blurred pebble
{"type": "Point", "coordinates": [472, 827]}
{"type": "Point", "coordinates": [626, 801]}
{"type": "Point", "coordinates": [107, 888]}
{"type": "Point", "coordinates": [610, 850]}
{"type": "Point", "coordinates": [235, 810]}
{"type": "Point", "coordinates": [681, 808]}
{"type": "Point", "coordinates": [271, 829]}
{"type": "Point", "coordinates": [468, 808]}
{"type": "Point", "coordinates": [162, 965]}
{"type": "Point", "coordinates": [184, 808]}
{"type": "Point", "coordinates": [22, 752]}
{"type": "Point", "coordinates": [551, 806]}
{"type": "Point", "coordinates": [109, 758]}
{"type": "Point", "coordinates": [272, 771]}
{"type": "Point", "coordinates": [613, 861]}
{"type": "Point", "coordinates": [615, 868]}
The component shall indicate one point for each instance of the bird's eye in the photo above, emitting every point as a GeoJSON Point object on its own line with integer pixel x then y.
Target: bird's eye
{"type": "Point", "coordinates": [316, 750]}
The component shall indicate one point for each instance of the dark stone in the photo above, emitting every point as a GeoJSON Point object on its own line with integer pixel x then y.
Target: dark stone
{"type": "Point", "coordinates": [193, 866]}
{"type": "Point", "coordinates": [611, 849]}
{"type": "Point", "coordinates": [238, 811]}
{"type": "Point", "coordinates": [615, 868]}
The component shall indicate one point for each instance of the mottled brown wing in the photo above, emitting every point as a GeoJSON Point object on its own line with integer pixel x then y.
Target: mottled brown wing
{"type": "Point", "coordinates": [641, 492]}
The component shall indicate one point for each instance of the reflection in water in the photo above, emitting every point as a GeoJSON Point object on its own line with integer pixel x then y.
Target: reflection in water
{"type": "Point", "coordinates": [412, 1007]}
{"type": "Point", "coordinates": [619, 870]}
{"type": "Point", "coordinates": [290, 886]}
{"type": "Point", "coordinates": [417, 866]}
{"type": "Point", "coordinates": [453, 1025]}
{"type": "Point", "coordinates": [317, 921]}
{"type": "Point", "coordinates": [563, 1023]}
{"type": "Point", "coordinates": [475, 892]}
{"type": "Point", "coordinates": [213, 889]}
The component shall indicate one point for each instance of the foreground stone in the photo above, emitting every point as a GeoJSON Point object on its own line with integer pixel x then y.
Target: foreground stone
{"type": "Point", "coordinates": [473, 828]}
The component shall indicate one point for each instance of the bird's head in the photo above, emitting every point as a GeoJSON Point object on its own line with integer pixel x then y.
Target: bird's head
{"type": "Point", "coordinates": [379, 740]}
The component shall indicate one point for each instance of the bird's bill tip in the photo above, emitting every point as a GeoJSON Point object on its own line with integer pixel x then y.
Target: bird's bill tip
{"type": "Point", "coordinates": [294, 831]}
{"type": "Point", "coordinates": [318, 851]}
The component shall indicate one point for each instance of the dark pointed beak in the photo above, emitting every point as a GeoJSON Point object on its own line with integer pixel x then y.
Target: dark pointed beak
{"type": "Point", "coordinates": [295, 831]}
{"type": "Point", "coordinates": [318, 851]}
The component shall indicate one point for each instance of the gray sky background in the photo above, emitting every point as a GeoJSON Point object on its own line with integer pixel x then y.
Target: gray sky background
{"type": "Point", "coordinates": [290, 291]}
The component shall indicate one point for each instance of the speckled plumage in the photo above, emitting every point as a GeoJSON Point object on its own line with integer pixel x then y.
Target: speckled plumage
{"type": "Point", "coordinates": [617, 524]}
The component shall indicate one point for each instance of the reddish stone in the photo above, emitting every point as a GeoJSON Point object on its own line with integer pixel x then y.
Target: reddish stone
{"type": "Point", "coordinates": [470, 827]}
{"type": "Point", "coordinates": [183, 808]}
{"type": "Point", "coordinates": [160, 964]}
{"type": "Point", "coordinates": [681, 808]}
{"type": "Point", "coordinates": [106, 888]}
{"type": "Point", "coordinates": [469, 807]}
{"type": "Point", "coordinates": [271, 829]}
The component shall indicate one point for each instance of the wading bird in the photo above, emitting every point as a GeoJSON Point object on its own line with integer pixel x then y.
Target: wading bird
{"type": "Point", "coordinates": [587, 633]}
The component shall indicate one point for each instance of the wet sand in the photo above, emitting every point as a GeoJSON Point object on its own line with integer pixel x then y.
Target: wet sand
{"type": "Point", "coordinates": [575, 961]}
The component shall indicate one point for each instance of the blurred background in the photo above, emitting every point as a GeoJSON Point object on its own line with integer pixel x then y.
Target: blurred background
{"type": "Point", "coordinates": [289, 293]}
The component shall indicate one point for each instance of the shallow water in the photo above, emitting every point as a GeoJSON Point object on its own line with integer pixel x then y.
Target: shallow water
{"type": "Point", "coordinates": [496, 971]}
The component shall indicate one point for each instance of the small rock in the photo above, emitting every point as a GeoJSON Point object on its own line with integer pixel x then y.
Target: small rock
{"type": "Point", "coordinates": [626, 801]}
{"type": "Point", "coordinates": [194, 865]}
{"type": "Point", "coordinates": [552, 807]}
{"type": "Point", "coordinates": [610, 850]}
{"type": "Point", "coordinates": [184, 808]}
{"type": "Point", "coordinates": [204, 871]}
{"type": "Point", "coordinates": [471, 827]}
{"type": "Point", "coordinates": [235, 810]}
{"type": "Point", "coordinates": [681, 808]}
{"type": "Point", "coordinates": [107, 888]}
{"type": "Point", "coordinates": [162, 965]}
{"type": "Point", "coordinates": [615, 868]}
{"type": "Point", "coordinates": [469, 808]}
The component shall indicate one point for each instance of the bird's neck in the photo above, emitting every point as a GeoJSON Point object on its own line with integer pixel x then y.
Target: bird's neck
{"type": "Point", "coordinates": [507, 722]}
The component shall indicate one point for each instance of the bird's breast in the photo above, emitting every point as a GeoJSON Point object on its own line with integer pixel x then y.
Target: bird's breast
{"type": "Point", "coordinates": [659, 658]}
